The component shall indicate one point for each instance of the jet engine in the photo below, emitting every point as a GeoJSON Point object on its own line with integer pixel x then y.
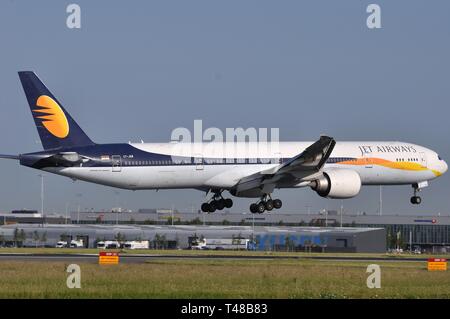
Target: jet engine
{"type": "Point", "coordinates": [337, 183]}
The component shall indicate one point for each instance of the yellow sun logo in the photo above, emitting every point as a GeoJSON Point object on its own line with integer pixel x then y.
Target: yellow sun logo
{"type": "Point", "coordinates": [53, 117]}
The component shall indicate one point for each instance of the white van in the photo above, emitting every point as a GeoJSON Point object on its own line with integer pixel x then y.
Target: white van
{"type": "Point", "coordinates": [135, 244]}
{"type": "Point", "coordinates": [61, 244]}
{"type": "Point", "coordinates": [108, 244]}
{"type": "Point", "coordinates": [76, 244]}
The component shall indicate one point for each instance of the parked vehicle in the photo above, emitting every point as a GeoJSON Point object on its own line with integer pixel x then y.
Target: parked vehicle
{"type": "Point", "coordinates": [223, 243]}
{"type": "Point", "coordinates": [61, 244]}
{"type": "Point", "coordinates": [136, 244]}
{"type": "Point", "coordinates": [76, 243]}
{"type": "Point", "coordinates": [108, 244]}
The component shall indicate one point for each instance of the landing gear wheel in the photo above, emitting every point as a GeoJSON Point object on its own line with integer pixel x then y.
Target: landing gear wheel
{"type": "Point", "coordinates": [277, 203]}
{"type": "Point", "coordinates": [217, 202]}
{"type": "Point", "coordinates": [416, 200]}
{"type": "Point", "coordinates": [212, 207]}
{"type": "Point", "coordinates": [254, 208]}
{"type": "Point", "coordinates": [260, 207]}
{"type": "Point", "coordinates": [269, 205]}
{"type": "Point", "coordinates": [220, 204]}
{"type": "Point", "coordinates": [228, 203]}
{"type": "Point", "coordinates": [205, 208]}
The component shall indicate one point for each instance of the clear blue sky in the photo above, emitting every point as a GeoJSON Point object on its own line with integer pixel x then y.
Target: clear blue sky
{"type": "Point", "coordinates": [138, 69]}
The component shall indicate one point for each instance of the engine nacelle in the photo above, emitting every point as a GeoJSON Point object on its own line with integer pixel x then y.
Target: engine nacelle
{"type": "Point", "coordinates": [338, 183]}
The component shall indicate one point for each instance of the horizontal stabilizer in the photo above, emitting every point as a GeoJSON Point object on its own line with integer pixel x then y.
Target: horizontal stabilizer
{"type": "Point", "coordinates": [14, 157]}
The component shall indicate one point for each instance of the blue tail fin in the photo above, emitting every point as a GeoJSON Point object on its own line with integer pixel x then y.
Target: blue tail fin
{"type": "Point", "coordinates": [55, 126]}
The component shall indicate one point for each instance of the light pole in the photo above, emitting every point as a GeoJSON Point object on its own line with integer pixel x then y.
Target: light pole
{"type": "Point", "coordinates": [42, 196]}
{"type": "Point", "coordinates": [410, 242]}
{"type": "Point", "coordinates": [253, 223]}
{"type": "Point", "coordinates": [308, 207]}
{"type": "Point", "coordinates": [381, 201]}
{"type": "Point", "coordinates": [67, 209]}
{"type": "Point", "coordinates": [117, 193]}
{"type": "Point", "coordinates": [78, 215]}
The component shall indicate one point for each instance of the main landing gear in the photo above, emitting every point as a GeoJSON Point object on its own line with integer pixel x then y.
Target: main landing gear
{"type": "Point", "coordinates": [217, 202]}
{"type": "Point", "coordinates": [266, 203]}
{"type": "Point", "coordinates": [416, 200]}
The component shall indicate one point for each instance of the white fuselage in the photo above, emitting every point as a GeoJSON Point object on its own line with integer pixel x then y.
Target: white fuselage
{"type": "Point", "coordinates": [377, 163]}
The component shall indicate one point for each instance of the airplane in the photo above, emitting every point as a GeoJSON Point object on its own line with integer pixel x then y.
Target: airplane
{"type": "Point", "coordinates": [331, 169]}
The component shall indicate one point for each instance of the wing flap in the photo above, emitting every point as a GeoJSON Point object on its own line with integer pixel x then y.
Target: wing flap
{"type": "Point", "coordinates": [298, 168]}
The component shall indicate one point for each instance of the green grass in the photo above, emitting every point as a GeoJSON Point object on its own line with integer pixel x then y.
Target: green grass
{"type": "Point", "coordinates": [189, 278]}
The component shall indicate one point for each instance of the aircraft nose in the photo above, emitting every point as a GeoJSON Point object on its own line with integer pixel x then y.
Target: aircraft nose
{"type": "Point", "coordinates": [444, 167]}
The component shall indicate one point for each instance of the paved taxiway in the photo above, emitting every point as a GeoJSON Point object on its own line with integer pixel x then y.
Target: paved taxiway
{"type": "Point", "coordinates": [141, 258]}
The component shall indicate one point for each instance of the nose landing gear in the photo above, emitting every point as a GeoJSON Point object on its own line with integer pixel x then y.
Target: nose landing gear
{"type": "Point", "coordinates": [416, 200]}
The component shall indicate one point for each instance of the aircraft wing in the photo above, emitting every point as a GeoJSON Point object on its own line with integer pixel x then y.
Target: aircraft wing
{"type": "Point", "coordinates": [299, 168]}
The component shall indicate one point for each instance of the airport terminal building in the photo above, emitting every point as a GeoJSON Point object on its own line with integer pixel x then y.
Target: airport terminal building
{"type": "Point", "coordinates": [427, 232]}
{"type": "Point", "coordinates": [320, 231]}
{"type": "Point", "coordinates": [266, 238]}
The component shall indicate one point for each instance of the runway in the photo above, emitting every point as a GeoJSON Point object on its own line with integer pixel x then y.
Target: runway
{"type": "Point", "coordinates": [142, 258]}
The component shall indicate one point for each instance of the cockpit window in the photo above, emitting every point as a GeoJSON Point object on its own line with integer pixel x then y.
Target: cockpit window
{"type": "Point", "coordinates": [439, 158]}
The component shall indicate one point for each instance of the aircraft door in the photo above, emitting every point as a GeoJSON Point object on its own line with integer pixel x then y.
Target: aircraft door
{"type": "Point", "coordinates": [278, 158]}
{"type": "Point", "coordinates": [423, 159]}
{"type": "Point", "coordinates": [199, 162]}
{"type": "Point", "coordinates": [367, 158]}
{"type": "Point", "coordinates": [116, 163]}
